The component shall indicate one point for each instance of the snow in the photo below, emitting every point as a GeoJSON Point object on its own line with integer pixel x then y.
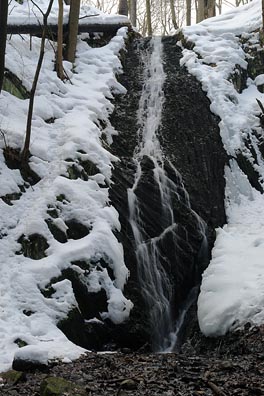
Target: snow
{"type": "Point", "coordinates": [77, 106]}
{"type": "Point", "coordinates": [232, 290]}
{"type": "Point", "coordinates": [30, 14]}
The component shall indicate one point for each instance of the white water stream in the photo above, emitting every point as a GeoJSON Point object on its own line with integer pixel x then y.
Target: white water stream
{"type": "Point", "coordinates": [155, 284]}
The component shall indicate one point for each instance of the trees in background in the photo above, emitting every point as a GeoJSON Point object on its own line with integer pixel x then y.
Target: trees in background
{"type": "Point", "coordinates": [148, 17]}
{"type": "Point", "coordinates": [133, 12]}
{"type": "Point", "coordinates": [164, 15]}
{"type": "Point", "coordinates": [123, 7]}
{"type": "Point", "coordinates": [205, 9]}
{"type": "Point", "coordinates": [3, 25]}
{"type": "Point", "coordinates": [73, 30]}
{"type": "Point", "coordinates": [25, 151]}
{"type": "Point", "coordinates": [59, 55]}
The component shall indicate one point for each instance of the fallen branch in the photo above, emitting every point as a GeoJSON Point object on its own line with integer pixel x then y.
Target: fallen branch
{"type": "Point", "coordinates": [215, 388]}
{"type": "Point", "coordinates": [212, 385]}
{"type": "Point", "coordinates": [36, 30]}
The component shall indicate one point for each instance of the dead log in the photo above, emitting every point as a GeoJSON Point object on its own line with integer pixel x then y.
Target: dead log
{"type": "Point", "coordinates": [36, 30]}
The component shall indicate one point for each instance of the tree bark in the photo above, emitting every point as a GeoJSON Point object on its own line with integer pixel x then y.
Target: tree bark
{"type": "Point", "coordinates": [3, 30]}
{"type": "Point", "coordinates": [173, 14]}
{"type": "Point", "coordinates": [210, 9]}
{"type": "Point", "coordinates": [201, 10]}
{"type": "Point", "coordinates": [123, 7]}
{"type": "Point", "coordinates": [133, 12]}
{"type": "Point", "coordinates": [59, 60]}
{"type": "Point", "coordinates": [36, 30]}
{"type": "Point", "coordinates": [73, 30]}
{"type": "Point", "coordinates": [149, 23]}
{"type": "Point", "coordinates": [263, 15]}
{"type": "Point", "coordinates": [188, 12]}
{"type": "Point", "coordinates": [25, 151]}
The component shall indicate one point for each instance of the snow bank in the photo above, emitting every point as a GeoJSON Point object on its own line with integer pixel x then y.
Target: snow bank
{"type": "Point", "coordinates": [76, 107]}
{"type": "Point", "coordinates": [232, 286]}
{"type": "Point", "coordinates": [28, 14]}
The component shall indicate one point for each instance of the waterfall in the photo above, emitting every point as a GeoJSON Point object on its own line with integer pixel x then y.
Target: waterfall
{"type": "Point", "coordinates": [157, 288]}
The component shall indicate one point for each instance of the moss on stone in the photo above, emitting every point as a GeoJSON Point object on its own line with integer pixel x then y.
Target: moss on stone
{"type": "Point", "coordinates": [21, 343]}
{"type": "Point", "coordinates": [52, 212]}
{"type": "Point", "coordinates": [56, 386]}
{"type": "Point", "coordinates": [12, 377]}
{"type": "Point", "coordinates": [33, 246]}
{"type": "Point", "coordinates": [58, 234]}
{"type": "Point", "coordinates": [8, 198]}
{"type": "Point", "coordinates": [75, 171]}
{"type": "Point", "coordinates": [14, 86]}
{"type": "Point", "coordinates": [61, 198]}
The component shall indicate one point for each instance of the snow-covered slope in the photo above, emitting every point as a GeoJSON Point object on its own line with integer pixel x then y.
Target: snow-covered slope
{"type": "Point", "coordinates": [28, 13]}
{"type": "Point", "coordinates": [232, 291]}
{"type": "Point", "coordinates": [27, 315]}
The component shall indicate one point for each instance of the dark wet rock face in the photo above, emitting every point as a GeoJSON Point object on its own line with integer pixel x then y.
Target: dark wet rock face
{"type": "Point", "coordinates": [191, 139]}
{"type": "Point", "coordinates": [191, 143]}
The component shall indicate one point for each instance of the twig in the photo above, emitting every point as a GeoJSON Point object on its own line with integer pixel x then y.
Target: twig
{"type": "Point", "coordinates": [212, 385]}
{"type": "Point", "coordinates": [3, 134]}
{"type": "Point", "coordinates": [88, 16]}
{"type": "Point", "coordinates": [40, 10]}
{"type": "Point", "coordinates": [260, 105]}
{"type": "Point", "coordinates": [215, 389]}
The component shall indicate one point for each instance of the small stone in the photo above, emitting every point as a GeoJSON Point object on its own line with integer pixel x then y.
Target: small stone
{"type": "Point", "coordinates": [56, 386]}
{"type": "Point", "coordinates": [12, 377]}
{"type": "Point", "coordinates": [129, 384]}
{"type": "Point", "coordinates": [122, 393]}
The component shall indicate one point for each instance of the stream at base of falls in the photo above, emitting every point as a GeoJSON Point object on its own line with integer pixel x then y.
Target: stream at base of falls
{"type": "Point", "coordinates": [155, 283]}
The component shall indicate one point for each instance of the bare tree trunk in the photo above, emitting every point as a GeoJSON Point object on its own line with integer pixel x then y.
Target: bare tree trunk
{"type": "Point", "coordinates": [206, 9]}
{"type": "Point", "coordinates": [201, 10]}
{"type": "Point", "coordinates": [67, 2]}
{"type": "Point", "coordinates": [210, 9]}
{"type": "Point", "coordinates": [219, 5]}
{"type": "Point", "coordinates": [25, 151]}
{"type": "Point", "coordinates": [196, 10]}
{"type": "Point", "coordinates": [133, 12]}
{"type": "Point", "coordinates": [263, 15]}
{"type": "Point", "coordinates": [188, 12]}
{"type": "Point", "coordinates": [59, 60]}
{"type": "Point", "coordinates": [173, 14]}
{"type": "Point", "coordinates": [3, 25]}
{"type": "Point", "coordinates": [123, 7]}
{"type": "Point", "coordinates": [73, 30]}
{"type": "Point", "coordinates": [149, 24]}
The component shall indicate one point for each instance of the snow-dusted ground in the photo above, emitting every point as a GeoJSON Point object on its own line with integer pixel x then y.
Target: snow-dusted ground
{"type": "Point", "coordinates": [77, 106]}
{"type": "Point", "coordinates": [232, 291]}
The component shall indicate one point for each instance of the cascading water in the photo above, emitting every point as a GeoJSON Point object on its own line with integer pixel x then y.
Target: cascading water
{"type": "Point", "coordinates": [156, 286]}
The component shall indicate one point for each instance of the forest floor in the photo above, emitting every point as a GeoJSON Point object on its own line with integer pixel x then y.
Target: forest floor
{"type": "Point", "coordinates": [230, 365]}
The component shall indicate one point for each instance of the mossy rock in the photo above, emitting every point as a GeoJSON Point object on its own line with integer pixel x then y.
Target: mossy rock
{"type": "Point", "coordinates": [12, 377]}
{"type": "Point", "coordinates": [76, 230]}
{"type": "Point", "coordinates": [13, 160]}
{"type": "Point", "coordinates": [89, 167]}
{"type": "Point", "coordinates": [73, 326]}
{"type": "Point", "coordinates": [33, 246]}
{"type": "Point", "coordinates": [58, 234]}
{"type": "Point", "coordinates": [56, 386]}
{"type": "Point", "coordinates": [247, 167]}
{"type": "Point", "coordinates": [21, 343]}
{"type": "Point", "coordinates": [14, 86]}
{"type": "Point", "coordinates": [53, 212]}
{"type": "Point", "coordinates": [8, 198]}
